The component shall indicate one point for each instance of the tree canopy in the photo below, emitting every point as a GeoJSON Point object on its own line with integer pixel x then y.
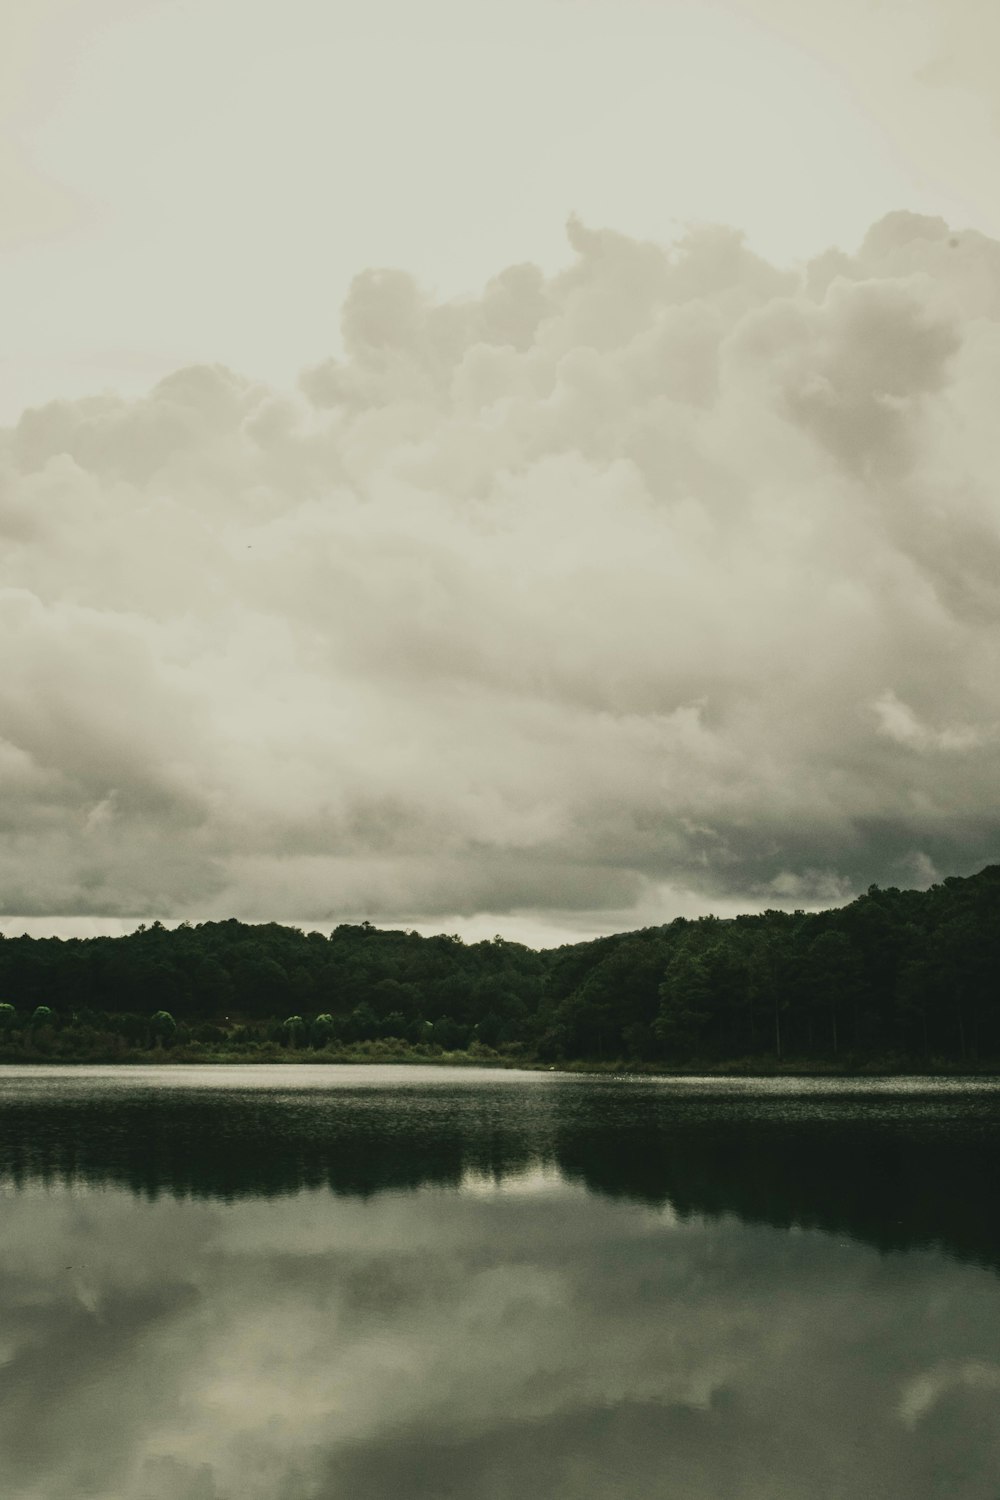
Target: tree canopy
{"type": "Point", "coordinates": [896, 973]}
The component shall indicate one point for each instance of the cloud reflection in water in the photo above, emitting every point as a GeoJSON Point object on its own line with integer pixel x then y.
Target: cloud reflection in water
{"type": "Point", "coordinates": [498, 1331]}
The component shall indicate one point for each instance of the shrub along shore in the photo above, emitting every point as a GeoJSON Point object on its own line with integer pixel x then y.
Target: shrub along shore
{"type": "Point", "coordinates": [378, 1054]}
{"type": "Point", "coordinates": [897, 981]}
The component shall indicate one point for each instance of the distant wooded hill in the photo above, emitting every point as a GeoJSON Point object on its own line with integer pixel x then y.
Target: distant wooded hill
{"type": "Point", "coordinates": [894, 975]}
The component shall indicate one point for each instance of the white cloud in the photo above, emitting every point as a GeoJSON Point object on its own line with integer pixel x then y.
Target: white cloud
{"type": "Point", "coordinates": [651, 575]}
{"type": "Point", "coordinates": [898, 722]}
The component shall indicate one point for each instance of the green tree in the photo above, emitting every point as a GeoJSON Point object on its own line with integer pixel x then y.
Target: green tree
{"type": "Point", "coordinates": [321, 1030]}
{"type": "Point", "coordinates": [685, 1005]}
{"type": "Point", "coordinates": [162, 1027]}
{"type": "Point", "coordinates": [833, 974]}
{"type": "Point", "coordinates": [362, 1024]}
{"type": "Point", "coordinates": [294, 1028]}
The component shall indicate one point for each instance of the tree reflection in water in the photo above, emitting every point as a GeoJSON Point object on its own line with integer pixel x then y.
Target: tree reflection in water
{"type": "Point", "coordinates": [422, 1285]}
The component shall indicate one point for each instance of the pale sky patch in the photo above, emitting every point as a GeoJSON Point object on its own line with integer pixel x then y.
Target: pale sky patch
{"type": "Point", "coordinates": [199, 182]}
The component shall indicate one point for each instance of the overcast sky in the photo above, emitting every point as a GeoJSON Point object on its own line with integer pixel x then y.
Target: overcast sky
{"type": "Point", "coordinates": [522, 467]}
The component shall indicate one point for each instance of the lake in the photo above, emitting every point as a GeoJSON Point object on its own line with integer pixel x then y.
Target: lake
{"type": "Point", "coordinates": [362, 1283]}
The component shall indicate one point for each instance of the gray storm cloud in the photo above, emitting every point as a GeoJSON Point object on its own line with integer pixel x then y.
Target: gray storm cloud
{"type": "Point", "coordinates": [671, 572]}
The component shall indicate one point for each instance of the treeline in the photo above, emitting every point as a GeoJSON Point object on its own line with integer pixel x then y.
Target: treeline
{"type": "Point", "coordinates": [895, 975]}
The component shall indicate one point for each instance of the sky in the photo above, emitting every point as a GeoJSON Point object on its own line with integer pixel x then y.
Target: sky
{"type": "Point", "coordinates": [521, 468]}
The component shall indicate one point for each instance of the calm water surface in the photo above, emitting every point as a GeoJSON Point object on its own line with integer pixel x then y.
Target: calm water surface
{"type": "Point", "coordinates": [370, 1283]}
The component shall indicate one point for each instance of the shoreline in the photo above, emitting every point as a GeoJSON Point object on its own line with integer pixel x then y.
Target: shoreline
{"type": "Point", "coordinates": [619, 1067]}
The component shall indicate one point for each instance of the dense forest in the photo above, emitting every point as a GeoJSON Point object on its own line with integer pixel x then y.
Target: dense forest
{"type": "Point", "coordinates": [896, 978]}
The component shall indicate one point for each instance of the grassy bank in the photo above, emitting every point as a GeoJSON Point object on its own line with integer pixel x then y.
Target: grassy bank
{"type": "Point", "coordinates": [480, 1056]}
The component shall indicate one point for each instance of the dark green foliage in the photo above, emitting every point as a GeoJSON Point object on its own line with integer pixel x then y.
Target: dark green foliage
{"type": "Point", "coordinates": [896, 975]}
{"type": "Point", "coordinates": [162, 1027]}
{"type": "Point", "coordinates": [321, 1030]}
{"type": "Point", "coordinates": [293, 1029]}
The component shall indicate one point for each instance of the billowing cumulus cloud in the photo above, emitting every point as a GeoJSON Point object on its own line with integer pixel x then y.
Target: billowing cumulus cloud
{"type": "Point", "coordinates": [671, 573]}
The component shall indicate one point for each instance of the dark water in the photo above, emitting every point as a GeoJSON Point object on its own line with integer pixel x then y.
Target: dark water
{"type": "Point", "coordinates": [301, 1284]}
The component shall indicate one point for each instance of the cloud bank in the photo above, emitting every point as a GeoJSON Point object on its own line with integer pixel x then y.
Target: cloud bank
{"type": "Point", "coordinates": [672, 577]}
